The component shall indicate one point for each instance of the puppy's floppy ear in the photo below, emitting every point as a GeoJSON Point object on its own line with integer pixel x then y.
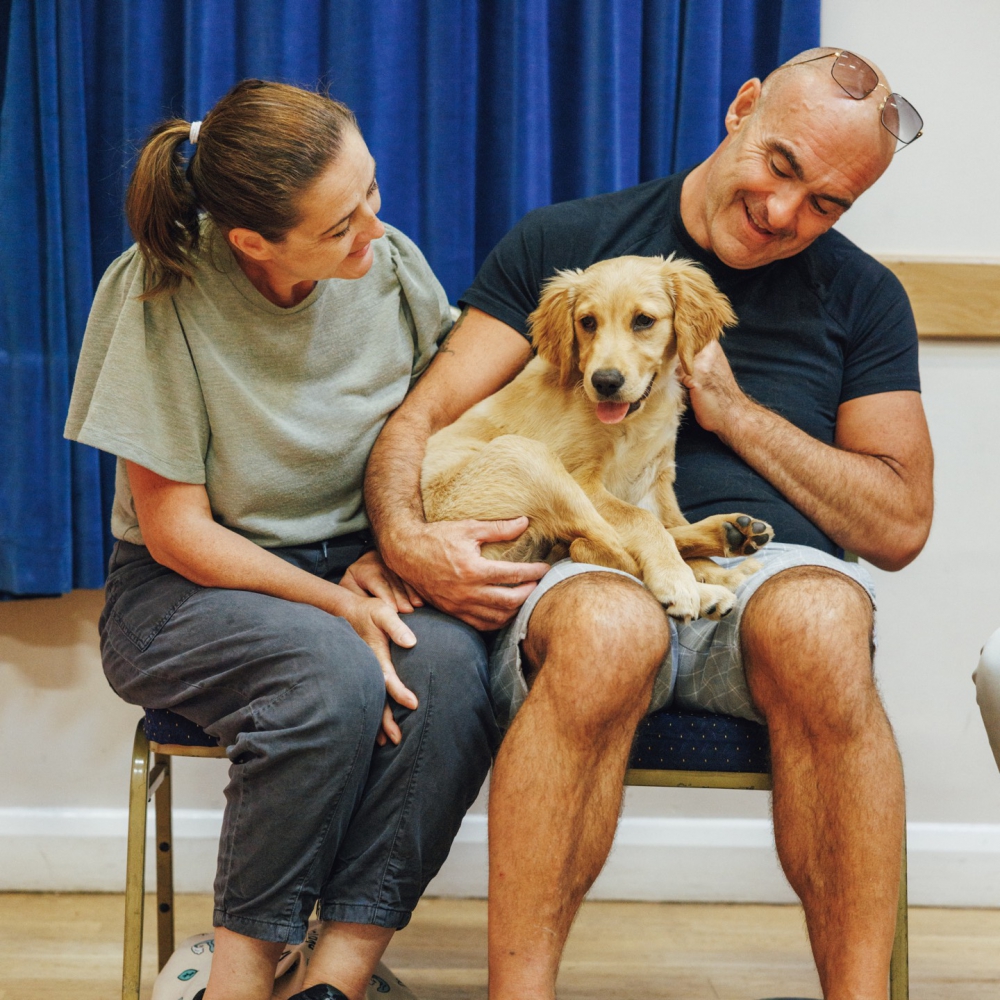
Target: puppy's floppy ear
{"type": "Point", "coordinates": [552, 331]}
{"type": "Point", "coordinates": [701, 311]}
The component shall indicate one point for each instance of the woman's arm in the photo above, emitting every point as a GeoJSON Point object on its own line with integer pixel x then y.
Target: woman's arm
{"type": "Point", "coordinates": [180, 533]}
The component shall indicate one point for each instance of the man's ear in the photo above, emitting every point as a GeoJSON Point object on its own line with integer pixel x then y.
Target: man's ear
{"type": "Point", "coordinates": [743, 105]}
{"type": "Point", "coordinates": [251, 244]}
{"type": "Point", "coordinates": [701, 311]}
{"type": "Point", "coordinates": [553, 334]}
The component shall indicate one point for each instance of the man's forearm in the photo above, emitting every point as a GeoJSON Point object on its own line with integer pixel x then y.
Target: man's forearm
{"type": "Point", "coordinates": [871, 504]}
{"type": "Point", "coordinates": [479, 356]}
{"type": "Point", "coordinates": [392, 476]}
{"type": "Point", "coordinates": [443, 561]}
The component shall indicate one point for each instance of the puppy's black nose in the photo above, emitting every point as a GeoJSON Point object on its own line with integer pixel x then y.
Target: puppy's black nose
{"type": "Point", "coordinates": [607, 381]}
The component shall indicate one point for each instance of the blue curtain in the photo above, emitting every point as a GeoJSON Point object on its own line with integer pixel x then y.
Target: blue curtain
{"type": "Point", "coordinates": [476, 110]}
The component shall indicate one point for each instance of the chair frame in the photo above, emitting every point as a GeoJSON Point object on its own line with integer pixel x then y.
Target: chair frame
{"type": "Point", "coordinates": [899, 964]}
{"type": "Point", "coordinates": [151, 782]}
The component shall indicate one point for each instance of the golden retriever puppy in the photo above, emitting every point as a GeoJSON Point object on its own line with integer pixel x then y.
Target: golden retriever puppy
{"type": "Point", "coordinates": [582, 441]}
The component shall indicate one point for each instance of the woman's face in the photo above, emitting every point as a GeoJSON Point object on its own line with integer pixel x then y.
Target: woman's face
{"type": "Point", "coordinates": [339, 222]}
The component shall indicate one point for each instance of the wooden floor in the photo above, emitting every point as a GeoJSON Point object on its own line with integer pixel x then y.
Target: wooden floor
{"type": "Point", "coordinates": [68, 947]}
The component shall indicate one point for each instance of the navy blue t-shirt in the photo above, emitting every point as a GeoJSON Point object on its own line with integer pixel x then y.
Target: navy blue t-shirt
{"type": "Point", "coordinates": [815, 330]}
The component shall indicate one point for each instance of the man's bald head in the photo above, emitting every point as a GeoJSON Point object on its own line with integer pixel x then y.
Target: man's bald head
{"type": "Point", "coordinates": [807, 80]}
{"type": "Point", "coordinates": [798, 152]}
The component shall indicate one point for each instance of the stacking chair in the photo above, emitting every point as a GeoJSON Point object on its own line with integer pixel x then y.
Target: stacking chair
{"type": "Point", "coordinates": [160, 735]}
{"type": "Point", "coordinates": [678, 749]}
{"type": "Point", "coordinates": [673, 749]}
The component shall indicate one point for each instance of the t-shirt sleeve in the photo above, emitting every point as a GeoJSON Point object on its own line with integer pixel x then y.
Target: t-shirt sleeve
{"type": "Point", "coordinates": [509, 283]}
{"type": "Point", "coordinates": [428, 312]}
{"type": "Point", "coordinates": [136, 393]}
{"type": "Point", "coordinates": [882, 353]}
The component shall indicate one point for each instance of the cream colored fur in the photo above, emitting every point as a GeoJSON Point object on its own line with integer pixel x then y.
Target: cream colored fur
{"type": "Point", "coordinates": [604, 490]}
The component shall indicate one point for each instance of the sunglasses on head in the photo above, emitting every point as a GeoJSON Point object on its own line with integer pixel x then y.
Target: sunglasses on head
{"type": "Point", "coordinates": [857, 79]}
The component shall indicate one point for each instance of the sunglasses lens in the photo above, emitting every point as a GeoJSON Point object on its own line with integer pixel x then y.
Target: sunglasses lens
{"type": "Point", "coordinates": [901, 118]}
{"type": "Point", "coordinates": [854, 75]}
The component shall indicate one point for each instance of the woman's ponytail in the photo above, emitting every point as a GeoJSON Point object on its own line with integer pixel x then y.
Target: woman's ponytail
{"type": "Point", "coordinates": [162, 209]}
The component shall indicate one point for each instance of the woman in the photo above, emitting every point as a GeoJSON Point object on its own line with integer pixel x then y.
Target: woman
{"type": "Point", "coordinates": [240, 361]}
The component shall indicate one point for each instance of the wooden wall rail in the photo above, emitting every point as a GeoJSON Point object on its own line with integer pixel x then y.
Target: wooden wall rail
{"type": "Point", "coordinates": [952, 300]}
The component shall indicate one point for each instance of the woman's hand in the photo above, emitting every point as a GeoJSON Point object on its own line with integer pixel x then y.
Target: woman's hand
{"type": "Point", "coordinates": [377, 623]}
{"type": "Point", "coordinates": [369, 576]}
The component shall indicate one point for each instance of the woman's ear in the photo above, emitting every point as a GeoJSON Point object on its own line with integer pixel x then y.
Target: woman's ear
{"type": "Point", "coordinates": [249, 243]}
{"type": "Point", "coordinates": [701, 311]}
{"type": "Point", "coordinates": [553, 334]}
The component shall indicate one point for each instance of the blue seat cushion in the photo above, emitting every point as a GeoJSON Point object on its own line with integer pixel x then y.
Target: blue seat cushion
{"type": "Point", "coordinates": [162, 726]}
{"type": "Point", "coordinates": [668, 740]}
{"type": "Point", "coordinates": [675, 740]}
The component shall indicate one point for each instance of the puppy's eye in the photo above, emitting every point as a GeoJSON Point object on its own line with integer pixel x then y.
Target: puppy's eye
{"type": "Point", "coordinates": [642, 322]}
{"type": "Point", "coordinates": [589, 323]}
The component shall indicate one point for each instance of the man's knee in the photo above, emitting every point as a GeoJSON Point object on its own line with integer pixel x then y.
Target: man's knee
{"type": "Point", "coordinates": [601, 638]}
{"type": "Point", "coordinates": [806, 638]}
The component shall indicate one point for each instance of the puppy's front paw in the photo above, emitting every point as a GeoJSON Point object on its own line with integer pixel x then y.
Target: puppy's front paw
{"type": "Point", "coordinates": [680, 596]}
{"type": "Point", "coordinates": [744, 535]}
{"type": "Point", "coordinates": [716, 602]}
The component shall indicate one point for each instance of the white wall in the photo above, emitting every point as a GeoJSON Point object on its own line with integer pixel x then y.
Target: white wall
{"type": "Point", "coordinates": [939, 198]}
{"type": "Point", "coordinates": [65, 738]}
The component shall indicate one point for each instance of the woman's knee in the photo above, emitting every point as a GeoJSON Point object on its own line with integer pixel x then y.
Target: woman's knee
{"type": "Point", "coordinates": [320, 691]}
{"type": "Point", "coordinates": [448, 650]}
{"type": "Point", "coordinates": [448, 672]}
{"type": "Point", "coordinates": [453, 731]}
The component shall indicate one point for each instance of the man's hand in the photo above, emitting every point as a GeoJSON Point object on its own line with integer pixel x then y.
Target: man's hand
{"type": "Point", "coordinates": [871, 491]}
{"type": "Point", "coordinates": [442, 561]}
{"type": "Point", "coordinates": [716, 399]}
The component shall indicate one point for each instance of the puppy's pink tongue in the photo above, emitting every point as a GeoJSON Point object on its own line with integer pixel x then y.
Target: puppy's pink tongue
{"type": "Point", "coordinates": [611, 413]}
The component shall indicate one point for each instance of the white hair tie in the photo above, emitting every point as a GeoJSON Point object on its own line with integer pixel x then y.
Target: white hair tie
{"type": "Point", "coordinates": [193, 134]}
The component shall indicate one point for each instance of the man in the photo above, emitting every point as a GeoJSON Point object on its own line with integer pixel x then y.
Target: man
{"type": "Point", "coordinates": [820, 431]}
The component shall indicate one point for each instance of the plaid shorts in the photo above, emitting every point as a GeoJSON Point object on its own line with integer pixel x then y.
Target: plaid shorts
{"type": "Point", "coordinates": [704, 668]}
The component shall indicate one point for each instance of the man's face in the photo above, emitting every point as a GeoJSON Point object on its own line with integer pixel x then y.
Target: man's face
{"type": "Point", "coordinates": [790, 166]}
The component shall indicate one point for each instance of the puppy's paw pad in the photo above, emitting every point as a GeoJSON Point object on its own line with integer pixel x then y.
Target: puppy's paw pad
{"type": "Point", "coordinates": [744, 535]}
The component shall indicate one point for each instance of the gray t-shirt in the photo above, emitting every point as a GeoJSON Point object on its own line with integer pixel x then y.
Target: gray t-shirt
{"type": "Point", "coordinates": [274, 410]}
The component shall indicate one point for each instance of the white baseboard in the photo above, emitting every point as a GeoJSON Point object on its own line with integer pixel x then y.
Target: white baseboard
{"type": "Point", "coordinates": [660, 859]}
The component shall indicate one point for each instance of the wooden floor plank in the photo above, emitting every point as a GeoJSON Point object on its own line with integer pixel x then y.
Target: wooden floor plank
{"type": "Point", "coordinates": [68, 947]}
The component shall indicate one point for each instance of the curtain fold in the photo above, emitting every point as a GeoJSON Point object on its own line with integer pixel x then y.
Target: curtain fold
{"type": "Point", "coordinates": [476, 110]}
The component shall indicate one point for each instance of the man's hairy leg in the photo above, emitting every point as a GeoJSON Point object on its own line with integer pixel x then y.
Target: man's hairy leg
{"type": "Point", "coordinates": [596, 642]}
{"type": "Point", "coordinates": [838, 783]}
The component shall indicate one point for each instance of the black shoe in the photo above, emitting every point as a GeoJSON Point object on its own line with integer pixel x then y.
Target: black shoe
{"type": "Point", "coordinates": [321, 991]}
{"type": "Point", "coordinates": [199, 995]}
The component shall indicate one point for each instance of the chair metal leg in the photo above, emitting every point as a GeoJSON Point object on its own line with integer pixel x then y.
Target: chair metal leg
{"type": "Point", "coordinates": [164, 863]}
{"type": "Point", "coordinates": [135, 871]}
{"type": "Point", "coordinates": [899, 966]}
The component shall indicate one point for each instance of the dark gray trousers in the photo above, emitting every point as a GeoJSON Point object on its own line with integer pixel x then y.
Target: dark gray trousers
{"type": "Point", "coordinates": [315, 810]}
